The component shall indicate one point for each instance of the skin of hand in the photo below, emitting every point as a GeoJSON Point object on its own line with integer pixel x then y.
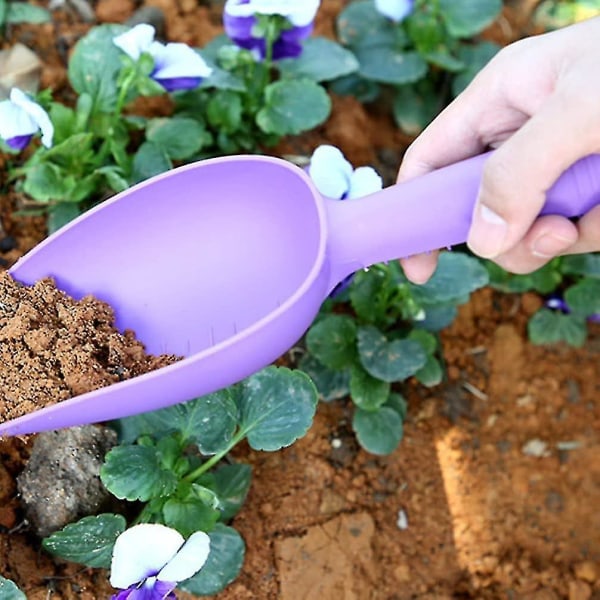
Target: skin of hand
{"type": "Point", "coordinates": [538, 102]}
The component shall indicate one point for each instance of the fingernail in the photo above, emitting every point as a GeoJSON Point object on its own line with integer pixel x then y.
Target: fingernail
{"type": "Point", "coordinates": [549, 245]}
{"type": "Point", "coordinates": [488, 232]}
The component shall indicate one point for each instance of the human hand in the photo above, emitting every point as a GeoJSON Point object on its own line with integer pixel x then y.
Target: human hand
{"type": "Point", "coordinates": [538, 103]}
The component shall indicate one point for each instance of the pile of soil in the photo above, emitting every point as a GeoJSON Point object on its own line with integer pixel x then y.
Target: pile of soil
{"type": "Point", "coordinates": [53, 347]}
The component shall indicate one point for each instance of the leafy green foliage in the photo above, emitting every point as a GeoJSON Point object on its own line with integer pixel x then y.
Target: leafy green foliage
{"type": "Point", "coordinates": [548, 327]}
{"type": "Point", "coordinates": [321, 60]}
{"type": "Point", "coordinates": [379, 335]}
{"type": "Point", "coordinates": [22, 12]}
{"type": "Point", "coordinates": [89, 541]}
{"type": "Point", "coordinates": [9, 590]}
{"type": "Point", "coordinates": [572, 283]}
{"type": "Point", "coordinates": [170, 460]}
{"type": "Point", "coordinates": [293, 106]}
{"type": "Point", "coordinates": [224, 563]}
{"type": "Point", "coordinates": [417, 56]}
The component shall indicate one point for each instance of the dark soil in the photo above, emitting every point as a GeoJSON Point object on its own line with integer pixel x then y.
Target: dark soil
{"type": "Point", "coordinates": [53, 347]}
{"type": "Point", "coordinates": [494, 491]}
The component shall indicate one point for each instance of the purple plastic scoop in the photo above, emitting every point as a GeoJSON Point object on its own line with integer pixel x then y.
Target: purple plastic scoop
{"type": "Point", "coordinates": [227, 262]}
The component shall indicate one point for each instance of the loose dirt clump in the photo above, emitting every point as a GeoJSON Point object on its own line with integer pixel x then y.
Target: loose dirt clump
{"type": "Point", "coordinates": [53, 347]}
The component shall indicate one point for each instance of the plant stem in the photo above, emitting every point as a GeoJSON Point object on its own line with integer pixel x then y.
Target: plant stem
{"type": "Point", "coordinates": [213, 460]}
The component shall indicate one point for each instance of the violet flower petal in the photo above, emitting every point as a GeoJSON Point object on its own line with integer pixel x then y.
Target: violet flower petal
{"type": "Point", "coordinates": [21, 118]}
{"type": "Point", "coordinates": [136, 41]}
{"type": "Point", "coordinates": [189, 559]}
{"type": "Point", "coordinates": [364, 181]}
{"type": "Point", "coordinates": [141, 552]}
{"type": "Point", "coordinates": [298, 12]}
{"type": "Point", "coordinates": [177, 60]}
{"type": "Point", "coordinates": [330, 172]}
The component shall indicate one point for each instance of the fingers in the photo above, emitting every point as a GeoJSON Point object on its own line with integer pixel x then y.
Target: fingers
{"type": "Point", "coordinates": [518, 174]}
{"type": "Point", "coordinates": [420, 268]}
{"type": "Point", "coordinates": [548, 237]}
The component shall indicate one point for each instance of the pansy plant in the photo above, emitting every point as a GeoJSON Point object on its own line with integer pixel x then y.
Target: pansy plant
{"type": "Point", "coordinates": [92, 153]}
{"type": "Point", "coordinates": [385, 334]}
{"type": "Point", "coordinates": [170, 463]}
{"type": "Point", "coordinates": [271, 75]}
{"type": "Point", "coordinates": [424, 51]}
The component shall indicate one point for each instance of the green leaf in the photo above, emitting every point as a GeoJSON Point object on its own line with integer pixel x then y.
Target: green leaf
{"type": "Point", "coordinates": [378, 432]}
{"type": "Point", "coordinates": [60, 214]}
{"type": "Point", "coordinates": [94, 66]}
{"type": "Point", "coordinates": [465, 18]}
{"type": "Point", "coordinates": [293, 106]}
{"type": "Point", "coordinates": [456, 276]}
{"type": "Point", "coordinates": [386, 65]}
{"type": "Point", "coordinates": [179, 137]}
{"type": "Point", "coordinates": [277, 407]}
{"type": "Point", "coordinates": [216, 421]}
{"type": "Point", "coordinates": [208, 421]}
{"type": "Point", "coordinates": [23, 12]}
{"type": "Point", "coordinates": [583, 298]}
{"type": "Point", "coordinates": [414, 109]}
{"type": "Point", "coordinates": [398, 403]}
{"type": "Point", "coordinates": [431, 374]}
{"type": "Point", "coordinates": [88, 542]}
{"type": "Point", "coordinates": [581, 264]}
{"type": "Point", "coordinates": [332, 384]}
{"type": "Point", "coordinates": [224, 110]}
{"type": "Point", "coordinates": [549, 327]}
{"type": "Point", "coordinates": [354, 85]}
{"type": "Point", "coordinates": [189, 515]}
{"type": "Point", "coordinates": [321, 60]}
{"type": "Point", "coordinates": [475, 56]}
{"type": "Point", "coordinates": [148, 161]}
{"type": "Point", "coordinates": [437, 316]}
{"type": "Point", "coordinates": [136, 473]}
{"type": "Point", "coordinates": [427, 340]}
{"type": "Point", "coordinates": [389, 361]}
{"type": "Point", "coordinates": [368, 392]}
{"type": "Point", "coordinates": [64, 121]}
{"type": "Point", "coordinates": [332, 340]}
{"type": "Point", "coordinates": [223, 565]}
{"type": "Point", "coordinates": [10, 591]}
{"type": "Point", "coordinates": [232, 483]}
{"type": "Point", "coordinates": [45, 182]}
{"type": "Point", "coordinates": [369, 293]}
{"type": "Point", "coordinates": [361, 24]}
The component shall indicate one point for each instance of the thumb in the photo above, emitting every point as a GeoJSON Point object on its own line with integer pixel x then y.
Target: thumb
{"type": "Point", "coordinates": [518, 174]}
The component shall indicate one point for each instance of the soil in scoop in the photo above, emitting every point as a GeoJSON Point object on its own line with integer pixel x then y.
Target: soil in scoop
{"type": "Point", "coordinates": [53, 347]}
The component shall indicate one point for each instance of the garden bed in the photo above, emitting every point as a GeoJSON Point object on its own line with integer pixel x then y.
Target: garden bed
{"type": "Point", "coordinates": [494, 490]}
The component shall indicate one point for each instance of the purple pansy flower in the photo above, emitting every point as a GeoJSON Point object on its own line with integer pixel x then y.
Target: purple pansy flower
{"type": "Point", "coordinates": [239, 19]}
{"type": "Point", "coordinates": [335, 178]}
{"type": "Point", "coordinates": [397, 10]}
{"type": "Point", "coordinates": [21, 118]}
{"type": "Point", "coordinates": [176, 66]}
{"type": "Point", "coordinates": [150, 559]}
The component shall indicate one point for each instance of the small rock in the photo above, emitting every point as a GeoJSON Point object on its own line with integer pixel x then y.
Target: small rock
{"type": "Point", "coordinates": [152, 15]}
{"type": "Point", "coordinates": [402, 521]}
{"type": "Point", "coordinates": [579, 590]}
{"type": "Point", "coordinates": [587, 571]}
{"type": "Point", "coordinates": [61, 482]}
{"type": "Point", "coordinates": [19, 67]}
{"type": "Point", "coordinates": [536, 447]}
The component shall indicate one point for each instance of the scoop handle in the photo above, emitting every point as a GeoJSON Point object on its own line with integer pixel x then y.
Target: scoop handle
{"type": "Point", "coordinates": [434, 211]}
